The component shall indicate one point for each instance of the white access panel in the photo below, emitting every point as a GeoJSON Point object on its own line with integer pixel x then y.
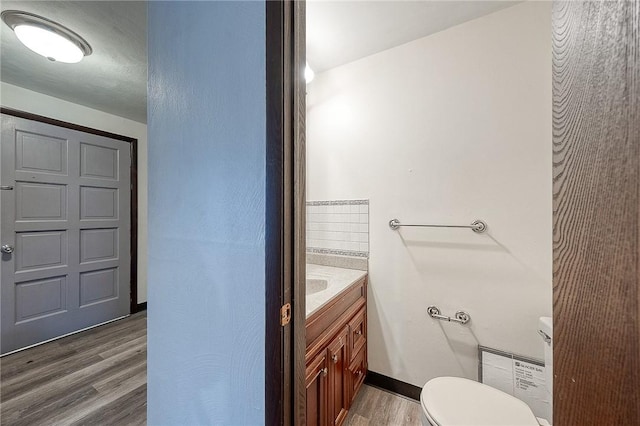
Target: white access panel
{"type": "Point", "coordinates": [516, 375]}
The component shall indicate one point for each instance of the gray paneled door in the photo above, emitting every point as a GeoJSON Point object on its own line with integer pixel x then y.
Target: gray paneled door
{"type": "Point", "coordinates": [67, 220]}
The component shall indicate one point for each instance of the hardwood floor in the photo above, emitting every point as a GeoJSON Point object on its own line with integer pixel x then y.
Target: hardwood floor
{"type": "Point", "coordinates": [377, 407]}
{"type": "Point", "coordinates": [97, 377]}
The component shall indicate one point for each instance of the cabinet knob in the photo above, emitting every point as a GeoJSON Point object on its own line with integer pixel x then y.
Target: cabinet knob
{"type": "Point", "coordinates": [334, 357]}
{"type": "Point", "coordinates": [358, 332]}
{"type": "Point", "coordinates": [324, 371]}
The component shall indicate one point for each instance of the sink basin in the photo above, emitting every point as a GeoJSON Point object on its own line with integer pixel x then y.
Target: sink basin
{"type": "Point", "coordinates": [316, 285]}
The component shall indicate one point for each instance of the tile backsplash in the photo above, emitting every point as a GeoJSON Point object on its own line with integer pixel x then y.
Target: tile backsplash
{"type": "Point", "coordinates": [338, 227]}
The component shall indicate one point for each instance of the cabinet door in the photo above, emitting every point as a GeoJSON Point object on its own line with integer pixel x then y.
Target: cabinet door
{"type": "Point", "coordinates": [357, 372]}
{"type": "Point", "coordinates": [317, 397]}
{"type": "Point", "coordinates": [358, 332]}
{"type": "Point", "coordinates": [338, 378]}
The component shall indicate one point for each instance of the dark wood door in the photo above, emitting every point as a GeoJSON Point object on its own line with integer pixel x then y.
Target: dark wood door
{"type": "Point", "coordinates": [337, 353]}
{"type": "Point", "coordinates": [596, 143]}
{"type": "Point", "coordinates": [317, 393]}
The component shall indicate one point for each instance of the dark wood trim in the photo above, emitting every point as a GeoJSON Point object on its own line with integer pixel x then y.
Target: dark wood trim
{"type": "Point", "coordinates": [133, 298]}
{"type": "Point", "coordinates": [275, 395]}
{"type": "Point", "coordinates": [274, 221]}
{"type": "Point", "coordinates": [65, 124]}
{"type": "Point", "coordinates": [297, 47]}
{"type": "Point", "coordinates": [133, 235]}
{"type": "Point", "coordinates": [285, 212]}
{"type": "Point", "coordinates": [596, 213]}
{"type": "Point", "coordinates": [393, 385]}
{"type": "Point", "coordinates": [141, 307]}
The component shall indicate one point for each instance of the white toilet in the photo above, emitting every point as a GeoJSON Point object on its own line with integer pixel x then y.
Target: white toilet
{"type": "Point", "coordinates": [454, 401]}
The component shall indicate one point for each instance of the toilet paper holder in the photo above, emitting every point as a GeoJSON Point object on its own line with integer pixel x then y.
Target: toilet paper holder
{"type": "Point", "coordinates": [461, 316]}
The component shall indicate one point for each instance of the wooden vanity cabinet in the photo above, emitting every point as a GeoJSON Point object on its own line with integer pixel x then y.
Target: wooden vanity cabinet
{"type": "Point", "coordinates": [357, 372]}
{"type": "Point", "coordinates": [316, 378]}
{"type": "Point", "coordinates": [338, 360]}
{"type": "Point", "coordinates": [336, 355]}
{"type": "Point", "coordinates": [357, 332]}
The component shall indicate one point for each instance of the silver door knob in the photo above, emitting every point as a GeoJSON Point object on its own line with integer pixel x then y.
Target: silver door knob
{"type": "Point", "coordinates": [6, 248]}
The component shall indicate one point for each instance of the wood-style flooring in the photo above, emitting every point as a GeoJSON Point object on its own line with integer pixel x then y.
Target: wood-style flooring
{"type": "Point", "coordinates": [97, 377]}
{"type": "Point", "coordinates": [377, 407]}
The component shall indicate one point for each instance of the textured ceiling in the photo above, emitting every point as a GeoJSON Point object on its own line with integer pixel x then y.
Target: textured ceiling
{"type": "Point", "coordinates": [339, 32]}
{"type": "Point", "coordinates": [113, 79]}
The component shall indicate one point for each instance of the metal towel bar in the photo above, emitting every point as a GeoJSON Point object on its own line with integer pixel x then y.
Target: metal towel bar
{"type": "Point", "coordinates": [461, 316]}
{"type": "Point", "coordinates": [477, 226]}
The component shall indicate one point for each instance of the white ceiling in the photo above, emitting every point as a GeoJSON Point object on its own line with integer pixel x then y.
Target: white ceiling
{"type": "Point", "coordinates": [112, 79]}
{"type": "Point", "coordinates": [339, 32]}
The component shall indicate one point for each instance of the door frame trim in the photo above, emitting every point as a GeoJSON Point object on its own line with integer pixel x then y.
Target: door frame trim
{"type": "Point", "coordinates": [276, 399]}
{"type": "Point", "coordinates": [285, 254]}
{"type": "Point", "coordinates": [133, 235]}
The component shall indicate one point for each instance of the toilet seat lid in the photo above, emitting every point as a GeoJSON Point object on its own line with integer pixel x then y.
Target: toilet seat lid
{"type": "Point", "coordinates": [454, 401]}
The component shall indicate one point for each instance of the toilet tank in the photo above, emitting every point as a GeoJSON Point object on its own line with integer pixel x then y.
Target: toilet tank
{"type": "Point", "coordinates": [545, 328]}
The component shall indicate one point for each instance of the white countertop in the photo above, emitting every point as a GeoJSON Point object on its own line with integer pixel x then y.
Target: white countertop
{"type": "Point", "coordinates": [338, 279]}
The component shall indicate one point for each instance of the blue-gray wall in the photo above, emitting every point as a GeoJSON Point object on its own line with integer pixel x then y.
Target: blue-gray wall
{"type": "Point", "coordinates": [206, 213]}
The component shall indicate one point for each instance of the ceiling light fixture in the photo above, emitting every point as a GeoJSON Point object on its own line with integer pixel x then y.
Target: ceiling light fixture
{"type": "Point", "coordinates": [308, 73]}
{"type": "Point", "coordinates": [47, 38]}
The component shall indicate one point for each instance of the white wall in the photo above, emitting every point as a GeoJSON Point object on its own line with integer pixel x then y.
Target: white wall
{"type": "Point", "coordinates": [26, 100]}
{"type": "Point", "coordinates": [446, 129]}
